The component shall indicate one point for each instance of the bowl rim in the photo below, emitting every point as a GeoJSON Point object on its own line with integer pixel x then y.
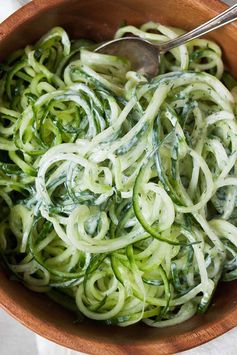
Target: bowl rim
{"type": "Point", "coordinates": [84, 344]}
{"type": "Point", "coordinates": [51, 332]}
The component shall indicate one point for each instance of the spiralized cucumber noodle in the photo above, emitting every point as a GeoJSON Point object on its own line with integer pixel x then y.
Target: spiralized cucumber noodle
{"type": "Point", "coordinates": [118, 194]}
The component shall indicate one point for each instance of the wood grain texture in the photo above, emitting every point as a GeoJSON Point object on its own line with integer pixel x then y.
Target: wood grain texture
{"type": "Point", "coordinates": [98, 20]}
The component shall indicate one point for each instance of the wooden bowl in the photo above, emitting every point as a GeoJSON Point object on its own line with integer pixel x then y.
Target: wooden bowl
{"type": "Point", "coordinates": [99, 19]}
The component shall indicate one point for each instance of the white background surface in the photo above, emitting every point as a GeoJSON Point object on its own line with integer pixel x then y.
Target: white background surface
{"type": "Point", "coordinates": [17, 340]}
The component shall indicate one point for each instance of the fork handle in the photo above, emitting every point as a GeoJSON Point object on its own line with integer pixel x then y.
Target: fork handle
{"type": "Point", "coordinates": [220, 20]}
